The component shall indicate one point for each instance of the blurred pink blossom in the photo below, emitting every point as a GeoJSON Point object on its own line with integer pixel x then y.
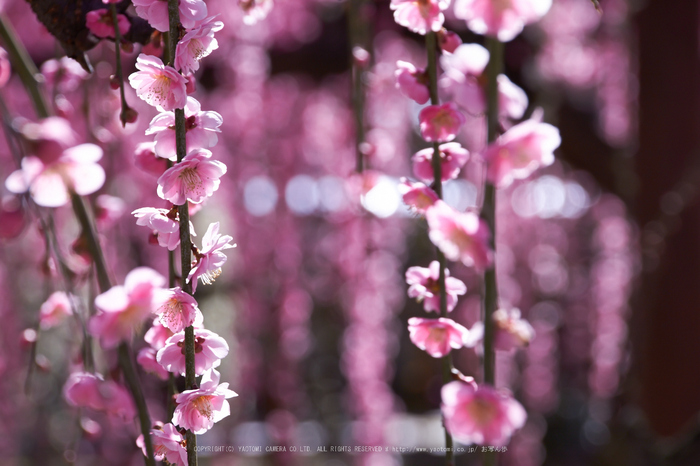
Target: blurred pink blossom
{"type": "Point", "coordinates": [5, 68]}
{"type": "Point", "coordinates": [501, 19]}
{"type": "Point", "coordinates": [412, 82]}
{"type": "Point", "coordinates": [200, 130]}
{"type": "Point", "coordinates": [512, 331]}
{"type": "Point", "coordinates": [99, 22]}
{"type": "Point", "coordinates": [520, 151]}
{"type": "Point", "coordinates": [197, 44]}
{"type": "Point", "coordinates": [255, 10]}
{"type": "Point", "coordinates": [193, 179]}
{"type": "Point", "coordinates": [424, 286]}
{"type": "Point", "coordinates": [146, 159]}
{"type": "Point", "coordinates": [437, 337]}
{"type": "Point", "coordinates": [448, 40]}
{"type": "Point", "coordinates": [108, 209]}
{"type": "Point", "coordinates": [48, 138]}
{"type": "Point", "coordinates": [156, 13]}
{"type": "Point", "coordinates": [65, 73]}
{"type": "Point", "coordinates": [210, 349]}
{"type": "Point", "coordinates": [177, 309]}
{"type": "Point", "coordinates": [198, 410]}
{"type": "Point", "coordinates": [453, 157]}
{"type": "Point", "coordinates": [481, 416]}
{"type": "Point", "coordinates": [168, 444]}
{"type": "Point", "coordinates": [461, 236]}
{"type": "Point", "coordinates": [122, 308]}
{"type": "Point", "coordinates": [90, 391]}
{"type": "Point", "coordinates": [417, 196]}
{"type": "Point", "coordinates": [148, 362]}
{"type": "Point", "coordinates": [55, 310]}
{"type": "Point", "coordinates": [440, 123]}
{"type": "Point", "coordinates": [157, 335]}
{"type": "Point", "coordinates": [157, 84]}
{"type": "Point", "coordinates": [420, 16]}
{"type": "Point", "coordinates": [210, 258]}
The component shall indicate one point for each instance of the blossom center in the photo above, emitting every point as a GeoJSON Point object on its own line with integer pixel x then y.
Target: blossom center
{"type": "Point", "coordinates": [172, 313]}
{"type": "Point", "coordinates": [160, 88]}
{"type": "Point", "coordinates": [209, 276]}
{"type": "Point", "coordinates": [203, 405]}
{"type": "Point", "coordinates": [191, 178]}
{"type": "Point", "coordinates": [482, 412]}
{"type": "Point", "coordinates": [437, 334]}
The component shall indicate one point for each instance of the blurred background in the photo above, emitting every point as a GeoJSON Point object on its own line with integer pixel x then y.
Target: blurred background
{"type": "Point", "coordinates": [600, 250]}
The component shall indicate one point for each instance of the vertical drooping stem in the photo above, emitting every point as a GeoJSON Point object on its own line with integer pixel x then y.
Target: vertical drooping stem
{"type": "Point", "coordinates": [184, 217]}
{"type": "Point", "coordinates": [358, 28]}
{"type": "Point", "coordinates": [118, 74]}
{"type": "Point", "coordinates": [431, 46]}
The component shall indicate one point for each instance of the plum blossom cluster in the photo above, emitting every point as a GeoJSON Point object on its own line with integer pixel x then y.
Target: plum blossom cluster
{"type": "Point", "coordinates": [472, 414]}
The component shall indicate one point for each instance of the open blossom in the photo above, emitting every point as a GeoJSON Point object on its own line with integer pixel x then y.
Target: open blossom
{"type": "Point", "coordinates": [65, 73]}
{"type": "Point", "coordinates": [482, 416]}
{"type": "Point", "coordinates": [168, 444]}
{"type": "Point", "coordinates": [437, 337]}
{"type": "Point", "coordinates": [255, 10]}
{"type": "Point", "coordinates": [164, 223]}
{"type": "Point", "coordinates": [54, 310]}
{"type": "Point", "coordinates": [90, 391]}
{"type": "Point", "coordinates": [198, 410]}
{"type": "Point", "coordinates": [503, 19]}
{"type": "Point", "coordinates": [412, 82]}
{"type": "Point", "coordinates": [149, 363]}
{"type": "Point", "coordinates": [210, 258]}
{"type": "Point", "coordinates": [177, 309]}
{"type": "Point", "coordinates": [440, 123]}
{"type": "Point", "coordinates": [156, 13]}
{"type": "Point", "coordinates": [520, 151]}
{"type": "Point", "coordinates": [452, 158]}
{"type": "Point", "coordinates": [512, 331]}
{"type": "Point", "coordinates": [461, 236]}
{"type": "Point", "coordinates": [99, 22]}
{"type": "Point", "coordinates": [123, 308]}
{"type": "Point", "coordinates": [159, 85]}
{"type": "Point", "coordinates": [193, 179]}
{"type": "Point", "coordinates": [417, 196]}
{"type": "Point", "coordinates": [200, 130]}
{"type": "Point", "coordinates": [157, 335]}
{"type": "Point", "coordinates": [424, 286]}
{"type": "Point", "coordinates": [197, 44]}
{"type": "Point", "coordinates": [420, 16]}
{"type": "Point", "coordinates": [50, 183]}
{"type": "Point", "coordinates": [209, 349]}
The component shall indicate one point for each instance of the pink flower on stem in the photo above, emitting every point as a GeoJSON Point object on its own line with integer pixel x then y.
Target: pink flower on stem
{"type": "Point", "coordinates": [121, 309]}
{"type": "Point", "coordinates": [503, 19]}
{"type": "Point", "coordinates": [55, 310]}
{"type": "Point", "coordinates": [209, 350]}
{"type": "Point", "coordinates": [148, 362]}
{"type": "Point", "coordinates": [197, 44]}
{"type": "Point", "coordinates": [412, 82]}
{"type": "Point", "coordinates": [157, 335]}
{"type": "Point", "coordinates": [440, 123]}
{"type": "Point", "coordinates": [156, 13]}
{"type": "Point", "coordinates": [168, 444]}
{"type": "Point", "coordinates": [420, 16]}
{"type": "Point", "coordinates": [210, 258]}
{"type": "Point", "coordinates": [520, 151]}
{"type": "Point", "coordinates": [424, 286]}
{"type": "Point", "coordinates": [193, 179]}
{"type": "Point", "coordinates": [177, 309]}
{"type": "Point", "coordinates": [66, 74]}
{"type": "Point", "coordinates": [482, 416]}
{"type": "Point", "coordinates": [198, 410]}
{"type": "Point", "coordinates": [461, 236]}
{"type": "Point", "coordinates": [200, 130]}
{"type": "Point", "coordinates": [157, 84]}
{"type": "Point", "coordinates": [90, 391]}
{"type": "Point", "coordinates": [164, 223]}
{"type": "Point", "coordinates": [452, 155]}
{"type": "Point", "coordinates": [437, 337]}
{"type": "Point", "coordinates": [255, 10]}
{"type": "Point", "coordinates": [146, 159]}
{"type": "Point", "coordinates": [99, 22]}
{"type": "Point", "coordinates": [448, 40]}
{"type": "Point", "coordinates": [417, 196]}
{"type": "Point", "coordinates": [512, 331]}
{"type": "Point", "coordinates": [50, 184]}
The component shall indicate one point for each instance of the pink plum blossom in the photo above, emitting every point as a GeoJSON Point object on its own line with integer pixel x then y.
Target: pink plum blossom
{"type": "Point", "coordinates": [146, 159]}
{"type": "Point", "coordinates": [193, 179]}
{"type": "Point", "coordinates": [437, 337]}
{"type": "Point", "coordinates": [512, 331]}
{"type": "Point", "coordinates": [420, 16]}
{"type": "Point", "coordinates": [55, 310]}
{"type": "Point", "coordinates": [255, 10]}
{"type": "Point", "coordinates": [177, 309]}
{"type": "Point", "coordinates": [197, 44]}
{"type": "Point", "coordinates": [5, 68]}
{"type": "Point", "coordinates": [65, 73]}
{"type": "Point", "coordinates": [148, 362]}
{"type": "Point", "coordinates": [168, 444]}
{"type": "Point", "coordinates": [210, 258]}
{"type": "Point", "coordinates": [157, 335]}
{"type": "Point", "coordinates": [157, 84]}
{"type": "Point", "coordinates": [198, 410]}
{"type": "Point", "coordinates": [412, 82]}
{"type": "Point", "coordinates": [122, 308]}
{"type": "Point", "coordinates": [164, 223]}
{"type": "Point", "coordinates": [209, 350]}
{"type": "Point", "coordinates": [424, 286]}
{"type": "Point", "coordinates": [48, 138]}
{"type": "Point", "coordinates": [90, 391]}
{"type": "Point", "coordinates": [156, 13]}
{"type": "Point", "coordinates": [108, 209]}
{"type": "Point", "coordinates": [448, 40]}
{"type": "Point", "coordinates": [200, 130]}
{"type": "Point", "coordinates": [503, 19]}
{"type": "Point", "coordinates": [440, 123]}
{"type": "Point", "coordinates": [453, 156]}
{"type": "Point", "coordinates": [461, 236]}
{"type": "Point", "coordinates": [417, 196]}
{"type": "Point", "coordinates": [482, 416]}
{"type": "Point", "coordinates": [520, 151]}
{"type": "Point", "coordinates": [99, 22]}
{"type": "Point", "coordinates": [50, 184]}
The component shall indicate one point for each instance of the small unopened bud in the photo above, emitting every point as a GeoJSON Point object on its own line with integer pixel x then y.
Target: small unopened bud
{"type": "Point", "coordinates": [361, 56]}
{"type": "Point", "coordinates": [28, 338]}
{"type": "Point", "coordinates": [127, 47]}
{"type": "Point", "coordinates": [130, 115]}
{"type": "Point", "coordinates": [448, 40]}
{"type": "Point", "coordinates": [114, 82]}
{"type": "Point", "coordinates": [190, 84]}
